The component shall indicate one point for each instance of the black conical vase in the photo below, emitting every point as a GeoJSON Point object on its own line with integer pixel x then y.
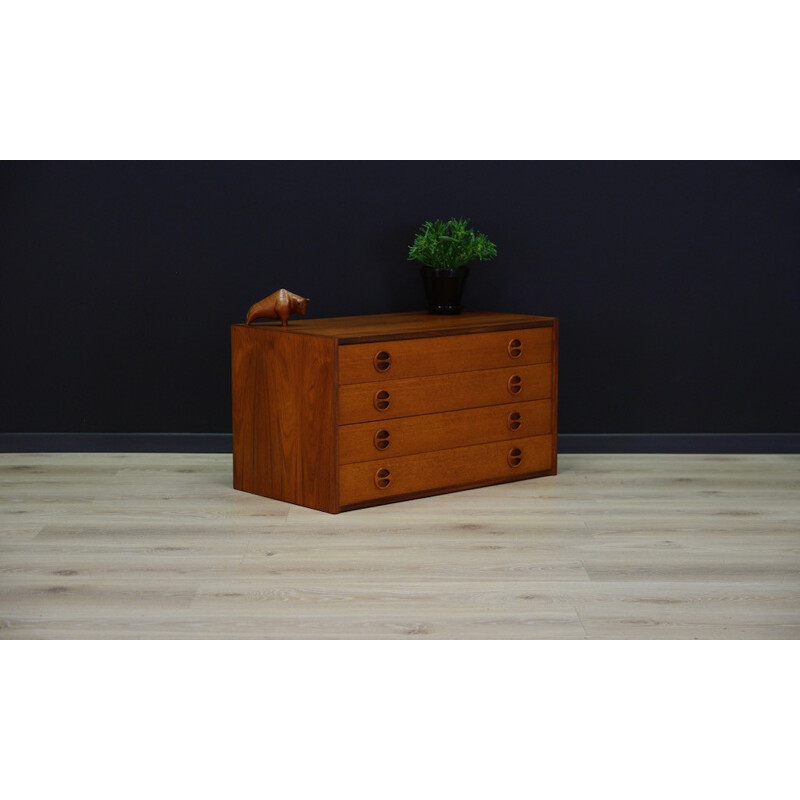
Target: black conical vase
{"type": "Point", "coordinates": [443, 289]}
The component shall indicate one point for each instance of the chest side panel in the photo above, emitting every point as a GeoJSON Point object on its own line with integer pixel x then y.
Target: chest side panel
{"type": "Point", "coordinates": [284, 401]}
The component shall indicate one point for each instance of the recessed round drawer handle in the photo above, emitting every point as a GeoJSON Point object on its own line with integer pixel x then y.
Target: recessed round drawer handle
{"type": "Point", "coordinates": [382, 361]}
{"type": "Point", "coordinates": [514, 420]}
{"type": "Point", "coordinates": [514, 457]}
{"type": "Point", "coordinates": [382, 478]}
{"type": "Point", "coordinates": [381, 400]}
{"type": "Point", "coordinates": [515, 384]}
{"type": "Point", "coordinates": [381, 439]}
{"type": "Point", "coordinates": [515, 348]}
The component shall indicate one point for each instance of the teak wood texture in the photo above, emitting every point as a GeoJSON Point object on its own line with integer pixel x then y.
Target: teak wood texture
{"type": "Point", "coordinates": [283, 397]}
{"type": "Point", "coordinates": [426, 473]}
{"type": "Point", "coordinates": [385, 399]}
{"type": "Point", "coordinates": [399, 437]}
{"type": "Point", "coordinates": [419, 404]}
{"type": "Point", "coordinates": [413, 358]}
{"type": "Point", "coordinates": [412, 325]}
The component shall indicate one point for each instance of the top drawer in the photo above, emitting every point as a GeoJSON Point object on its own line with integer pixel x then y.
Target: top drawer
{"type": "Point", "coordinates": [410, 358]}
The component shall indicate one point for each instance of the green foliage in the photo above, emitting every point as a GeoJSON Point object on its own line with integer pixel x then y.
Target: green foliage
{"type": "Point", "coordinates": [449, 245]}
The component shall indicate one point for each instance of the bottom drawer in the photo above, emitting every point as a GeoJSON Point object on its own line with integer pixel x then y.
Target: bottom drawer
{"type": "Point", "coordinates": [444, 469]}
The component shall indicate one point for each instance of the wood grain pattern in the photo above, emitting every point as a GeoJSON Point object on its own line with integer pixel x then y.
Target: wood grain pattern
{"type": "Point", "coordinates": [410, 325]}
{"type": "Point", "coordinates": [436, 393]}
{"type": "Point", "coordinates": [411, 358]}
{"type": "Point", "coordinates": [428, 432]}
{"type": "Point", "coordinates": [284, 402]}
{"type": "Point", "coordinates": [423, 472]}
{"type": "Point", "coordinates": [158, 546]}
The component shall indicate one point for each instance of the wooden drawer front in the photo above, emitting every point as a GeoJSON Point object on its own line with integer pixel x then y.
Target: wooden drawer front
{"type": "Point", "coordinates": [366, 441]}
{"type": "Point", "coordinates": [360, 402]}
{"type": "Point", "coordinates": [460, 466]}
{"type": "Point", "coordinates": [408, 358]}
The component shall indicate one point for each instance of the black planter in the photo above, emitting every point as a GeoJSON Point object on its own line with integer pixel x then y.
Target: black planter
{"type": "Point", "coordinates": [443, 288]}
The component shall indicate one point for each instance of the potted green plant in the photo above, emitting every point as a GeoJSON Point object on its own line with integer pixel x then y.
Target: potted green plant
{"type": "Point", "coordinates": [444, 249]}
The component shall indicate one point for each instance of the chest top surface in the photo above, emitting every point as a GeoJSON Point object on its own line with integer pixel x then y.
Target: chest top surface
{"type": "Point", "coordinates": [404, 325]}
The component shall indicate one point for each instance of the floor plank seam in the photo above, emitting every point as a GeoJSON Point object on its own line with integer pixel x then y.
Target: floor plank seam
{"type": "Point", "coordinates": [580, 619]}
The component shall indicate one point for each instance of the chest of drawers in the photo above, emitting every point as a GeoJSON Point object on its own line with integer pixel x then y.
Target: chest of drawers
{"type": "Point", "coordinates": [347, 412]}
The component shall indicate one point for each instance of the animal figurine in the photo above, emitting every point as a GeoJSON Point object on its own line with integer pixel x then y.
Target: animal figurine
{"type": "Point", "coordinates": [278, 306]}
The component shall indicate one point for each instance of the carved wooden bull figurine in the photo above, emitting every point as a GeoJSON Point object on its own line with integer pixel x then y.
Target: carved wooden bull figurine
{"type": "Point", "coordinates": [278, 306]}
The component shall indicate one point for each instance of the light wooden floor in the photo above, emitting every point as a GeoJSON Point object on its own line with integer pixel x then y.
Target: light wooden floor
{"type": "Point", "coordinates": [614, 547]}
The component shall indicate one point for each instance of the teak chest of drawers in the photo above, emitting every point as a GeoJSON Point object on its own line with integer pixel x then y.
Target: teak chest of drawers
{"type": "Point", "coordinates": [348, 412]}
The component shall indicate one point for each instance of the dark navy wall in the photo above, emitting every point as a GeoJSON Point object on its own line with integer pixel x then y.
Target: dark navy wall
{"type": "Point", "coordinates": [676, 283]}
